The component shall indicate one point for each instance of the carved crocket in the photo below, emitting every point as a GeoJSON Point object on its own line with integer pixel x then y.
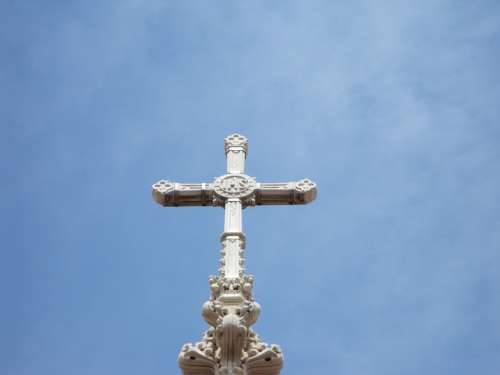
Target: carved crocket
{"type": "Point", "coordinates": [231, 347]}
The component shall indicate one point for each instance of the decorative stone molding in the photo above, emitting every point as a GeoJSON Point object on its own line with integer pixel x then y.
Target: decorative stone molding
{"type": "Point", "coordinates": [199, 359]}
{"type": "Point", "coordinates": [235, 142]}
{"type": "Point", "coordinates": [231, 346]}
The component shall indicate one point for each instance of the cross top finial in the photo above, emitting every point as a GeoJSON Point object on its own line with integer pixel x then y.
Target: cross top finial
{"type": "Point", "coordinates": [236, 142]}
{"type": "Point", "coordinates": [230, 346]}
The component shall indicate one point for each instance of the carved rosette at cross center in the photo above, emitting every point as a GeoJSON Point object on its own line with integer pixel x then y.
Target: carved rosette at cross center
{"type": "Point", "coordinates": [230, 346]}
{"type": "Point", "coordinates": [234, 186]}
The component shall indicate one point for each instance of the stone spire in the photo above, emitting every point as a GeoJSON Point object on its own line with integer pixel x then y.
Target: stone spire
{"type": "Point", "coordinates": [230, 346]}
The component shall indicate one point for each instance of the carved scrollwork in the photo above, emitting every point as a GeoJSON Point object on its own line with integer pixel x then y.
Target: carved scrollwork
{"type": "Point", "coordinates": [251, 312]}
{"type": "Point", "coordinates": [269, 361]}
{"type": "Point", "coordinates": [231, 346]}
{"type": "Point", "coordinates": [199, 359]}
{"type": "Point", "coordinates": [262, 358]}
{"type": "Point", "coordinates": [241, 286]}
{"type": "Point", "coordinates": [210, 312]}
{"type": "Point", "coordinates": [230, 337]}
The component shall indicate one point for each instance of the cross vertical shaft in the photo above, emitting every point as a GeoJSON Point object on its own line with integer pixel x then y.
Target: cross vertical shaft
{"type": "Point", "coordinates": [233, 238]}
{"type": "Point", "coordinates": [236, 149]}
{"type": "Point", "coordinates": [232, 241]}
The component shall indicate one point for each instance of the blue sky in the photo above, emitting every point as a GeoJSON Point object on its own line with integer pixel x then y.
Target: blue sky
{"type": "Point", "coordinates": [391, 107]}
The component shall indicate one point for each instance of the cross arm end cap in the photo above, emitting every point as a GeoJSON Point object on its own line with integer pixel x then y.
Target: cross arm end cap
{"type": "Point", "coordinates": [163, 192]}
{"type": "Point", "coordinates": [174, 194]}
{"type": "Point", "coordinates": [305, 191]}
{"type": "Point", "coordinates": [236, 142]}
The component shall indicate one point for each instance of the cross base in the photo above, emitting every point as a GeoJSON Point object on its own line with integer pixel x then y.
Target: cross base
{"type": "Point", "coordinates": [230, 346]}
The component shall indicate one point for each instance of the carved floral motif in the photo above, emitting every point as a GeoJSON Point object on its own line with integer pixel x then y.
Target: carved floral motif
{"type": "Point", "coordinates": [234, 186]}
{"type": "Point", "coordinates": [164, 186]}
{"type": "Point", "coordinates": [236, 141]}
{"type": "Point", "coordinates": [305, 185]}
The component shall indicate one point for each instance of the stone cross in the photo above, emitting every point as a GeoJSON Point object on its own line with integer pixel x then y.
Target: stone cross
{"type": "Point", "coordinates": [231, 346]}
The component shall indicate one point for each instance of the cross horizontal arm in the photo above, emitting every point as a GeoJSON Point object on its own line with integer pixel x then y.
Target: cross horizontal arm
{"type": "Point", "coordinates": [299, 192]}
{"type": "Point", "coordinates": [174, 194]}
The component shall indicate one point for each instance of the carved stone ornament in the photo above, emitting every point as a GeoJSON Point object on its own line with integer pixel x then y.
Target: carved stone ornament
{"type": "Point", "coordinates": [230, 346]}
{"type": "Point", "coordinates": [236, 141]}
{"type": "Point", "coordinates": [164, 186]}
{"type": "Point", "coordinates": [305, 185]}
{"type": "Point", "coordinates": [234, 186]}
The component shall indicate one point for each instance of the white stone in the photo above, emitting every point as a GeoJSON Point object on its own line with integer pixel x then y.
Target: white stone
{"type": "Point", "coordinates": [230, 346]}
